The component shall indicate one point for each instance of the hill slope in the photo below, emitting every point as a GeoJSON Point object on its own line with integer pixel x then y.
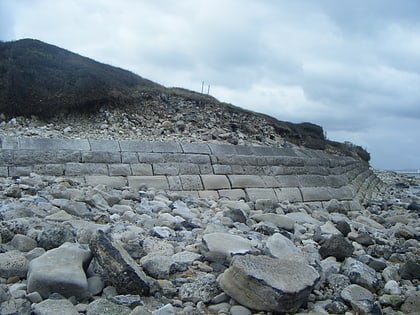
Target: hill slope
{"type": "Point", "coordinates": [47, 81]}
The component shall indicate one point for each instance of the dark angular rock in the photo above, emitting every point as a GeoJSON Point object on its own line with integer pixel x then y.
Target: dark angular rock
{"type": "Point", "coordinates": [337, 246]}
{"type": "Point", "coordinates": [55, 236]}
{"type": "Point", "coordinates": [119, 268]}
{"type": "Point", "coordinates": [237, 215]}
{"type": "Point", "coordinates": [343, 227]}
{"type": "Point", "coordinates": [410, 270]}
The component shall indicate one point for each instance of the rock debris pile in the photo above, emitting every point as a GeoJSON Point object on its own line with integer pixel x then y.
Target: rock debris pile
{"type": "Point", "coordinates": [70, 248]}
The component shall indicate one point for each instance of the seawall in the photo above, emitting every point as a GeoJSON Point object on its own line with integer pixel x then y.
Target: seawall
{"type": "Point", "coordinates": [201, 169]}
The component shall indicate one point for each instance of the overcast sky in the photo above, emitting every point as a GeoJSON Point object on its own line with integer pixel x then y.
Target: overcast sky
{"type": "Point", "coordinates": [352, 67]}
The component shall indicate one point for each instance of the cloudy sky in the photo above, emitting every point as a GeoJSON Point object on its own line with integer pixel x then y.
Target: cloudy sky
{"type": "Point", "coordinates": [351, 66]}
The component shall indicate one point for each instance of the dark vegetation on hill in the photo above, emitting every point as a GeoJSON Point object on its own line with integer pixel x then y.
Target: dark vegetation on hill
{"type": "Point", "coordinates": [44, 80]}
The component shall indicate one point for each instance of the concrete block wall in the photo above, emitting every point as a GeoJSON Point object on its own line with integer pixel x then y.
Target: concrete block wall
{"type": "Point", "coordinates": [201, 169]}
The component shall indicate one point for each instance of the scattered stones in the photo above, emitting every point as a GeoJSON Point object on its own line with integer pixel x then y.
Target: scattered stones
{"type": "Point", "coordinates": [360, 273]}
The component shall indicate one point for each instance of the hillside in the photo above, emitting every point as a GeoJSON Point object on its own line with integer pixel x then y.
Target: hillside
{"type": "Point", "coordinates": [63, 88]}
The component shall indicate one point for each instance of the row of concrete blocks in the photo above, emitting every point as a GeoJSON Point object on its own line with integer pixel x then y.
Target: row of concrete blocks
{"type": "Point", "coordinates": [211, 186]}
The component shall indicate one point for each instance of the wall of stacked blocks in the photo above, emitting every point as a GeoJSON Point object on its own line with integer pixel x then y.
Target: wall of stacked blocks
{"type": "Point", "coordinates": [205, 170]}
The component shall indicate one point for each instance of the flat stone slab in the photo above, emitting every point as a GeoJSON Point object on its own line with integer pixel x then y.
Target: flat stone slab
{"type": "Point", "coordinates": [221, 246]}
{"type": "Point", "coordinates": [60, 270]}
{"type": "Point", "coordinates": [269, 284]}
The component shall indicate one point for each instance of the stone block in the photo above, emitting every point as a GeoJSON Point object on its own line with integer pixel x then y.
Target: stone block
{"type": "Point", "coordinates": [222, 148]}
{"type": "Point", "coordinates": [9, 143]}
{"type": "Point", "coordinates": [129, 157]}
{"type": "Point", "coordinates": [316, 194]}
{"type": "Point", "coordinates": [67, 156]}
{"type": "Point", "coordinates": [4, 171]}
{"type": "Point", "coordinates": [317, 170]}
{"type": "Point", "coordinates": [135, 146]}
{"type": "Point", "coordinates": [343, 193]}
{"type": "Point", "coordinates": [246, 181]}
{"type": "Point", "coordinates": [287, 181]}
{"type": "Point", "coordinates": [104, 145]}
{"type": "Point", "coordinates": [312, 181]}
{"type": "Point", "coordinates": [222, 169]}
{"type": "Point", "coordinates": [49, 169]}
{"type": "Point", "coordinates": [208, 194]}
{"type": "Point", "coordinates": [245, 150]}
{"type": "Point", "coordinates": [261, 193]}
{"type": "Point", "coordinates": [195, 148]}
{"type": "Point", "coordinates": [233, 194]}
{"type": "Point", "coordinates": [142, 169]}
{"type": "Point", "coordinates": [100, 157]}
{"type": "Point", "coordinates": [6, 157]}
{"type": "Point", "coordinates": [20, 170]}
{"type": "Point", "coordinates": [264, 151]}
{"type": "Point", "coordinates": [205, 169]}
{"type": "Point", "coordinates": [161, 147]}
{"type": "Point", "coordinates": [174, 183]}
{"type": "Point", "coordinates": [40, 144]}
{"type": "Point", "coordinates": [270, 181]}
{"type": "Point", "coordinates": [291, 194]}
{"type": "Point", "coordinates": [29, 157]}
{"type": "Point", "coordinates": [336, 181]}
{"type": "Point", "coordinates": [165, 169]}
{"type": "Point", "coordinates": [158, 182]}
{"type": "Point", "coordinates": [191, 182]}
{"type": "Point", "coordinates": [215, 182]}
{"type": "Point", "coordinates": [186, 158]}
{"type": "Point", "coordinates": [119, 169]}
{"type": "Point", "coordinates": [76, 169]}
{"type": "Point", "coordinates": [150, 157]}
{"type": "Point", "coordinates": [117, 182]}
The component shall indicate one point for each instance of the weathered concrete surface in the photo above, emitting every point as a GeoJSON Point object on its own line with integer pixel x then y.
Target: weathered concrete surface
{"type": "Point", "coordinates": [250, 172]}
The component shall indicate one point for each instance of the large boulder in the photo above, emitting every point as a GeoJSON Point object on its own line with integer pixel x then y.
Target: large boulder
{"type": "Point", "coordinates": [60, 270]}
{"type": "Point", "coordinates": [119, 268]}
{"type": "Point", "coordinates": [337, 246]}
{"type": "Point", "coordinates": [269, 284]}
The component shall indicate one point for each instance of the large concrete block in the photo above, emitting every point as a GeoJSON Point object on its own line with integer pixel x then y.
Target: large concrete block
{"type": "Point", "coordinates": [41, 144]}
{"type": "Point", "coordinates": [76, 169]}
{"type": "Point", "coordinates": [336, 181]}
{"type": "Point", "coordinates": [20, 170]}
{"type": "Point", "coordinates": [4, 171]}
{"type": "Point", "coordinates": [291, 194]}
{"type": "Point", "coordinates": [129, 157]}
{"type": "Point", "coordinates": [49, 169]}
{"type": "Point", "coordinates": [312, 181]}
{"type": "Point", "coordinates": [150, 157]}
{"type": "Point", "coordinates": [158, 182]}
{"type": "Point", "coordinates": [208, 194]}
{"type": "Point", "coordinates": [246, 181]}
{"type": "Point", "coordinates": [310, 194]}
{"type": "Point", "coordinates": [233, 194]}
{"type": "Point", "coordinates": [215, 182]}
{"type": "Point", "coordinates": [191, 182]}
{"type": "Point", "coordinates": [287, 181]}
{"type": "Point", "coordinates": [165, 169]}
{"type": "Point", "coordinates": [174, 183]}
{"type": "Point", "coordinates": [195, 148]}
{"type": "Point", "coordinates": [222, 169]}
{"type": "Point", "coordinates": [142, 169]}
{"type": "Point", "coordinates": [161, 147]}
{"type": "Point", "coordinates": [117, 182]}
{"type": "Point", "coordinates": [119, 169]}
{"type": "Point", "coordinates": [186, 158]}
{"type": "Point", "coordinates": [29, 157]}
{"type": "Point", "coordinates": [222, 148]}
{"type": "Point", "coordinates": [104, 145]}
{"type": "Point", "coordinates": [100, 157]}
{"type": "Point", "coordinates": [205, 168]}
{"type": "Point", "coordinates": [68, 156]}
{"type": "Point", "coordinates": [135, 146]}
{"type": "Point", "coordinates": [6, 157]}
{"type": "Point", "coordinates": [9, 143]}
{"type": "Point", "coordinates": [261, 193]}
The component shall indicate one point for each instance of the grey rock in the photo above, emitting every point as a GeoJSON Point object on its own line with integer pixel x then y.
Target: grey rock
{"type": "Point", "coordinates": [54, 236]}
{"type": "Point", "coordinates": [391, 300]}
{"type": "Point", "coordinates": [336, 307]}
{"type": "Point", "coordinates": [55, 307]}
{"type": "Point", "coordinates": [410, 270]}
{"type": "Point", "coordinates": [3, 295]}
{"type": "Point", "coordinates": [118, 267]}
{"type": "Point", "coordinates": [16, 307]}
{"type": "Point", "coordinates": [239, 310]}
{"type": "Point", "coordinates": [168, 309]}
{"type": "Point", "coordinates": [128, 300]}
{"type": "Point", "coordinates": [203, 288]}
{"type": "Point", "coordinates": [23, 243]}
{"type": "Point", "coordinates": [392, 287]}
{"type": "Point", "coordinates": [279, 220]}
{"type": "Point", "coordinates": [237, 215]}
{"type": "Point", "coordinates": [269, 284]}
{"type": "Point", "coordinates": [279, 246]}
{"type": "Point", "coordinates": [186, 258]}
{"type": "Point", "coordinates": [412, 303]}
{"type": "Point", "coordinates": [103, 306]}
{"type": "Point", "coordinates": [13, 264]}
{"type": "Point", "coordinates": [75, 208]}
{"type": "Point", "coordinates": [95, 285]}
{"type": "Point", "coordinates": [221, 246]}
{"type": "Point", "coordinates": [60, 270]}
{"type": "Point", "coordinates": [158, 266]}
{"type": "Point", "coordinates": [360, 273]}
{"type": "Point", "coordinates": [343, 227]}
{"type": "Point", "coordinates": [355, 292]}
{"type": "Point", "coordinates": [337, 282]}
{"type": "Point", "coordinates": [337, 246]}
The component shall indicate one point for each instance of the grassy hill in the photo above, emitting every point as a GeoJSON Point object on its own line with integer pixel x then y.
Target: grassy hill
{"type": "Point", "coordinates": [40, 79]}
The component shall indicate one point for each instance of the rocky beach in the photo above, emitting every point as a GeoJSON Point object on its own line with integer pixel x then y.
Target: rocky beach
{"type": "Point", "coordinates": [74, 246]}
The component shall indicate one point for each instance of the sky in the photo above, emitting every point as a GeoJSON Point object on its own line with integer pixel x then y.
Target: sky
{"type": "Point", "coordinates": [351, 66]}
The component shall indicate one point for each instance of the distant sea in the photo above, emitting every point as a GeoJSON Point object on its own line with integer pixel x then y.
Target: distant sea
{"type": "Point", "coordinates": [413, 189]}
